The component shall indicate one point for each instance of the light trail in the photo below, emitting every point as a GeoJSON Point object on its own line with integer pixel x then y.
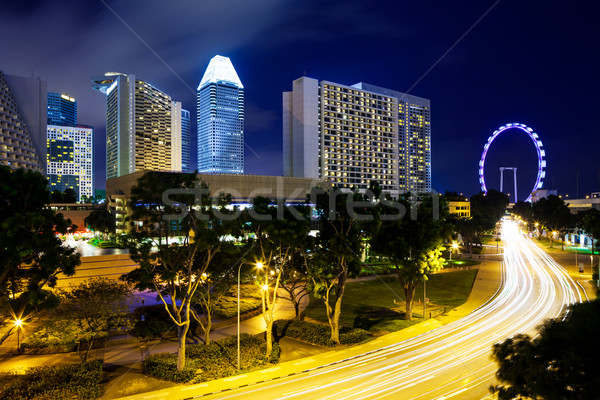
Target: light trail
{"type": "Point", "coordinates": [452, 361]}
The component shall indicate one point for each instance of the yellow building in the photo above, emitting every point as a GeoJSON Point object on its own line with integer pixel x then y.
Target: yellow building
{"type": "Point", "coordinates": [460, 208]}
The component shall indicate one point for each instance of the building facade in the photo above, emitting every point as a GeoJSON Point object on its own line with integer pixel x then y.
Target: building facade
{"type": "Point", "coordinates": [70, 159]}
{"type": "Point", "coordinates": [62, 109]}
{"type": "Point", "coordinates": [138, 125]}
{"type": "Point", "coordinates": [220, 117]}
{"type": "Point", "coordinates": [29, 96]}
{"type": "Point", "coordinates": [186, 142]}
{"type": "Point", "coordinates": [460, 209]}
{"type": "Point", "coordinates": [176, 139]}
{"type": "Point", "coordinates": [357, 134]}
{"type": "Point", "coordinates": [17, 148]}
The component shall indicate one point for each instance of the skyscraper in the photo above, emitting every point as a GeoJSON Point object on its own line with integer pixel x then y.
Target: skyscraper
{"type": "Point", "coordinates": [17, 149]}
{"type": "Point", "coordinates": [220, 113]}
{"type": "Point", "coordinates": [62, 109]}
{"type": "Point", "coordinates": [176, 136]}
{"type": "Point", "coordinates": [138, 125]}
{"type": "Point", "coordinates": [70, 159]}
{"type": "Point", "coordinates": [186, 142]}
{"type": "Point", "coordinates": [29, 96]}
{"type": "Point", "coordinates": [357, 134]}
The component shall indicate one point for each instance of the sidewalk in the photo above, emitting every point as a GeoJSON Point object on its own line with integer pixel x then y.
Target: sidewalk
{"type": "Point", "coordinates": [126, 350]}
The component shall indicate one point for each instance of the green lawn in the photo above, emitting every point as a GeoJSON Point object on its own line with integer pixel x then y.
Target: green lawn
{"type": "Point", "coordinates": [370, 304]}
{"type": "Point", "coordinates": [544, 241]}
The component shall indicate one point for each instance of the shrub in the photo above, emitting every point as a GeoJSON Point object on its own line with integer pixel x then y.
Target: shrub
{"type": "Point", "coordinates": [164, 366]}
{"type": "Point", "coordinates": [227, 306]}
{"type": "Point", "coordinates": [213, 361]}
{"type": "Point", "coordinates": [317, 333]}
{"type": "Point", "coordinates": [56, 336]}
{"type": "Point", "coordinates": [79, 381]}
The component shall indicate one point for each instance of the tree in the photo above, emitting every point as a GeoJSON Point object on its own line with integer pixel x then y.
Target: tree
{"type": "Point", "coordinates": [413, 246]}
{"type": "Point", "coordinates": [589, 221]}
{"type": "Point", "coordinates": [97, 306]}
{"type": "Point", "coordinates": [69, 196]}
{"type": "Point", "coordinates": [101, 220]}
{"type": "Point", "coordinates": [523, 210]}
{"type": "Point", "coordinates": [175, 243]}
{"type": "Point", "coordinates": [554, 216]}
{"type": "Point", "coordinates": [295, 280]}
{"type": "Point", "coordinates": [560, 363]}
{"type": "Point", "coordinates": [56, 196]}
{"type": "Point", "coordinates": [31, 253]}
{"type": "Point", "coordinates": [336, 257]}
{"type": "Point", "coordinates": [489, 208]}
{"type": "Point", "coordinates": [277, 234]}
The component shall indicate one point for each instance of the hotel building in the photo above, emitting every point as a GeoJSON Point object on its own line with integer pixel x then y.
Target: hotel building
{"type": "Point", "coordinates": [357, 134]}
{"type": "Point", "coordinates": [138, 125]}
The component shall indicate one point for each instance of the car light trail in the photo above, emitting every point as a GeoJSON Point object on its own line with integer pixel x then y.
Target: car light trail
{"type": "Point", "coordinates": [452, 361]}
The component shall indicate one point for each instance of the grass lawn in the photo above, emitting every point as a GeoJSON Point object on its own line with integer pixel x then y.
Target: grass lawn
{"type": "Point", "coordinates": [373, 301]}
{"type": "Point", "coordinates": [544, 241]}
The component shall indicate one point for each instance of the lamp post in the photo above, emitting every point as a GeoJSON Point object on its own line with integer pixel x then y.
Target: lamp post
{"type": "Point", "coordinates": [259, 265]}
{"type": "Point", "coordinates": [18, 324]}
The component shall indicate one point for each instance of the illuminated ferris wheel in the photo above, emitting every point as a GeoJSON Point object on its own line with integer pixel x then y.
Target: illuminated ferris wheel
{"type": "Point", "coordinates": [541, 153]}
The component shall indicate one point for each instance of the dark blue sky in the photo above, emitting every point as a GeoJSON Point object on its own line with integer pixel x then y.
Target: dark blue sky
{"type": "Point", "coordinates": [534, 62]}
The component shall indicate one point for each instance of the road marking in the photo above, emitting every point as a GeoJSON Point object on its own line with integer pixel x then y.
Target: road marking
{"type": "Point", "coordinates": [198, 386]}
{"type": "Point", "coordinates": [264, 371]}
{"type": "Point", "coordinates": [158, 394]}
{"type": "Point", "coordinates": [233, 378]}
{"type": "Point", "coordinates": [305, 361]}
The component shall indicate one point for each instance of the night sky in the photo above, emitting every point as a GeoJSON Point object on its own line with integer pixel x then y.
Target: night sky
{"type": "Point", "coordinates": [533, 62]}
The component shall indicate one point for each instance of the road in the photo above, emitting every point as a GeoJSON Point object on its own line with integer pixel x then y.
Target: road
{"type": "Point", "coordinates": [451, 361]}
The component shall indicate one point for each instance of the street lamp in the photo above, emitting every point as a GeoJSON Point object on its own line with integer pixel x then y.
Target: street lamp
{"type": "Point", "coordinates": [18, 325]}
{"type": "Point", "coordinates": [259, 265]}
{"type": "Point", "coordinates": [454, 247]}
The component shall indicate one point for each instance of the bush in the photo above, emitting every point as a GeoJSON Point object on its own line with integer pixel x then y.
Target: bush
{"type": "Point", "coordinates": [227, 306]}
{"type": "Point", "coordinates": [79, 381]}
{"type": "Point", "coordinates": [56, 336]}
{"type": "Point", "coordinates": [213, 361]}
{"type": "Point", "coordinates": [317, 333]}
{"type": "Point", "coordinates": [164, 366]}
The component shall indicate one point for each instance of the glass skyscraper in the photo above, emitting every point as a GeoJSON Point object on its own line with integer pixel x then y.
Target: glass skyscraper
{"type": "Point", "coordinates": [220, 116]}
{"type": "Point", "coordinates": [62, 109]}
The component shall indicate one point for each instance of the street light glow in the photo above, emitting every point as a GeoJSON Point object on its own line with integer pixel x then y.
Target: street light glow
{"type": "Point", "coordinates": [18, 322]}
{"type": "Point", "coordinates": [265, 287]}
{"type": "Point", "coordinates": [259, 265]}
{"type": "Point", "coordinates": [455, 245]}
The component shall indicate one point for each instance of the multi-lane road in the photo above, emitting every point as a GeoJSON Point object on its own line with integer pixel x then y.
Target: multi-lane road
{"type": "Point", "coordinates": [452, 361]}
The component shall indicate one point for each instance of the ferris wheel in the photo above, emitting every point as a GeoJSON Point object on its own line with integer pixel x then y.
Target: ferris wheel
{"type": "Point", "coordinates": [541, 153]}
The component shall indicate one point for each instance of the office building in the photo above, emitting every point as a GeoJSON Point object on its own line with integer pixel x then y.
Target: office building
{"type": "Point", "coordinates": [357, 134]}
{"type": "Point", "coordinates": [70, 159]}
{"type": "Point", "coordinates": [138, 125]}
{"type": "Point", "coordinates": [62, 109]}
{"type": "Point", "coordinates": [220, 116]}
{"type": "Point", "coordinates": [23, 122]}
{"type": "Point", "coordinates": [186, 142]}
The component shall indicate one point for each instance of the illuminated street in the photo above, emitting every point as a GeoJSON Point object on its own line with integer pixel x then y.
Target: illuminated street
{"type": "Point", "coordinates": [451, 361]}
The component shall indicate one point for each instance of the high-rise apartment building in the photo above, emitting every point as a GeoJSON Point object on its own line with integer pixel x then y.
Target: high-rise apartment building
{"type": "Point", "coordinates": [70, 159]}
{"type": "Point", "coordinates": [17, 146]}
{"type": "Point", "coordinates": [138, 125]}
{"type": "Point", "coordinates": [186, 142]}
{"type": "Point", "coordinates": [220, 115]}
{"type": "Point", "coordinates": [30, 97]}
{"type": "Point", "coordinates": [357, 134]}
{"type": "Point", "coordinates": [62, 109]}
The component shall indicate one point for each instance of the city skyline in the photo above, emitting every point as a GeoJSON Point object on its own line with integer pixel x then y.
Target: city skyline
{"type": "Point", "coordinates": [492, 76]}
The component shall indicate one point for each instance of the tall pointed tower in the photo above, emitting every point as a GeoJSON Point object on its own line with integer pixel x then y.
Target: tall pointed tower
{"type": "Point", "coordinates": [220, 113]}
